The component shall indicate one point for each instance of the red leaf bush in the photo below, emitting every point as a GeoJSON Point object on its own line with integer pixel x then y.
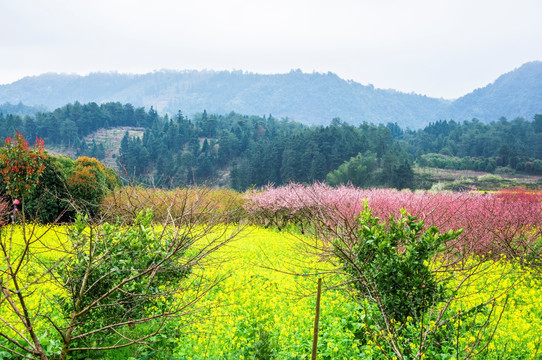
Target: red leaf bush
{"type": "Point", "coordinates": [20, 165]}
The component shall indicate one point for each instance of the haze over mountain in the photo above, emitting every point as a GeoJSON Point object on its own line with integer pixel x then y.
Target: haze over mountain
{"type": "Point", "coordinates": [314, 98]}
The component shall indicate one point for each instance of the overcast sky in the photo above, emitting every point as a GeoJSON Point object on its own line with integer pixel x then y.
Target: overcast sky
{"type": "Point", "coordinates": [440, 48]}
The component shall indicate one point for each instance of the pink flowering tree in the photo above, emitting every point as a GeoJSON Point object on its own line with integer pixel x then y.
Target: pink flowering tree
{"type": "Point", "coordinates": [506, 222]}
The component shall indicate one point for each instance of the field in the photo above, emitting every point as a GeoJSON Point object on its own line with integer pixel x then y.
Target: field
{"type": "Point", "coordinates": [460, 180]}
{"type": "Point", "coordinates": [266, 305]}
{"type": "Point", "coordinates": [258, 295]}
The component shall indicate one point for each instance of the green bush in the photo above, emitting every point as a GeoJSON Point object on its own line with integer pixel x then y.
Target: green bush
{"type": "Point", "coordinates": [89, 182]}
{"type": "Point", "coordinates": [407, 311]}
{"type": "Point", "coordinates": [392, 261]}
{"type": "Point", "coordinates": [109, 263]}
{"type": "Point", "coordinates": [50, 201]}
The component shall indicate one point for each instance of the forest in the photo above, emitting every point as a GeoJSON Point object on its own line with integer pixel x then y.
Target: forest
{"type": "Point", "coordinates": [241, 151]}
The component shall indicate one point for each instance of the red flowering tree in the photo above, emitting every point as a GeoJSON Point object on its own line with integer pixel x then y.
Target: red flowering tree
{"type": "Point", "coordinates": [21, 165]}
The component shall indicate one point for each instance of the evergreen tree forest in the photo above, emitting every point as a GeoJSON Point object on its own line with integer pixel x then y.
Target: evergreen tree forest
{"type": "Point", "coordinates": [241, 151]}
{"type": "Point", "coordinates": [254, 151]}
{"type": "Point", "coordinates": [503, 146]}
{"type": "Point", "coordinates": [69, 124]}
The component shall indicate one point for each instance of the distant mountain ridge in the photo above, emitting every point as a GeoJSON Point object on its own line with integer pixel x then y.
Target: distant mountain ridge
{"type": "Point", "coordinates": [308, 98]}
{"type": "Point", "coordinates": [20, 109]}
{"type": "Point", "coordinates": [514, 94]}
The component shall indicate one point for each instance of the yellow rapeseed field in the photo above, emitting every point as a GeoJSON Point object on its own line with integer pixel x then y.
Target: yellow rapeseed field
{"type": "Point", "coordinates": [268, 292]}
{"type": "Point", "coordinates": [264, 301]}
{"type": "Point", "coordinates": [48, 245]}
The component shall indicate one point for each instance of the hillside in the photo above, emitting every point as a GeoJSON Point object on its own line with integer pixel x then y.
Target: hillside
{"type": "Point", "coordinates": [515, 94]}
{"type": "Point", "coordinates": [20, 109]}
{"type": "Point", "coordinates": [109, 138]}
{"type": "Point", "coordinates": [308, 98]}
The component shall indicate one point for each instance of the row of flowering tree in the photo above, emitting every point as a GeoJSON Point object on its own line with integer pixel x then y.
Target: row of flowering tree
{"type": "Point", "coordinates": [505, 222]}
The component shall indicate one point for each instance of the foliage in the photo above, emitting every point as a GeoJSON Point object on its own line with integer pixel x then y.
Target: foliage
{"type": "Point", "coordinates": [251, 150]}
{"type": "Point", "coordinates": [51, 200]}
{"type": "Point", "coordinates": [358, 171]}
{"type": "Point", "coordinates": [19, 109]}
{"type": "Point", "coordinates": [135, 257]}
{"type": "Point", "coordinates": [69, 124]}
{"type": "Point", "coordinates": [242, 145]}
{"type": "Point", "coordinates": [21, 166]}
{"type": "Point", "coordinates": [392, 260]}
{"type": "Point", "coordinates": [89, 183]}
{"type": "Point", "coordinates": [501, 146]}
{"type": "Point", "coordinates": [241, 151]}
{"type": "Point", "coordinates": [52, 188]}
{"type": "Point", "coordinates": [231, 150]}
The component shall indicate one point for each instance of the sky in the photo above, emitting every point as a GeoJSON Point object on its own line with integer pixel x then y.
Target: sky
{"type": "Point", "coordinates": [438, 48]}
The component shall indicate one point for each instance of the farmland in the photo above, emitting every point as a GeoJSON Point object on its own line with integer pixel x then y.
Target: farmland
{"type": "Point", "coordinates": [254, 295]}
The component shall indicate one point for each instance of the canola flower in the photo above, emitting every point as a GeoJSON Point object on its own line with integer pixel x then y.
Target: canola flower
{"type": "Point", "coordinates": [267, 300]}
{"type": "Point", "coordinates": [518, 293]}
{"type": "Point", "coordinates": [48, 245]}
{"type": "Point", "coordinates": [266, 297]}
{"type": "Point", "coordinates": [262, 294]}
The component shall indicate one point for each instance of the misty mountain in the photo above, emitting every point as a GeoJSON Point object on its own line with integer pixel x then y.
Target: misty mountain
{"type": "Point", "coordinates": [308, 98]}
{"type": "Point", "coordinates": [20, 109]}
{"type": "Point", "coordinates": [514, 94]}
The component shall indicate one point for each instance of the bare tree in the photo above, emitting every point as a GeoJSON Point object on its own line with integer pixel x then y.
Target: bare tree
{"type": "Point", "coordinates": [107, 285]}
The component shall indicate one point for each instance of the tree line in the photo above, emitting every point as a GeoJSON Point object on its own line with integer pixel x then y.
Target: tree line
{"type": "Point", "coordinates": [244, 151]}
{"type": "Point", "coordinates": [500, 146]}
{"type": "Point", "coordinates": [68, 125]}
{"type": "Point", "coordinates": [241, 151]}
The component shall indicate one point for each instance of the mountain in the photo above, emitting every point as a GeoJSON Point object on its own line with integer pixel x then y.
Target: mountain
{"type": "Point", "coordinates": [515, 94]}
{"type": "Point", "coordinates": [20, 109]}
{"type": "Point", "coordinates": [308, 98]}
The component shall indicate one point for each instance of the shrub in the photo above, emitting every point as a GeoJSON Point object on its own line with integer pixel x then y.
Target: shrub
{"type": "Point", "coordinates": [52, 188]}
{"type": "Point", "coordinates": [506, 170]}
{"type": "Point", "coordinates": [127, 275]}
{"type": "Point", "coordinates": [21, 166]}
{"type": "Point", "coordinates": [490, 178]}
{"type": "Point", "coordinates": [392, 260]}
{"type": "Point", "coordinates": [89, 183]}
{"type": "Point", "coordinates": [51, 200]}
{"type": "Point", "coordinates": [403, 286]}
